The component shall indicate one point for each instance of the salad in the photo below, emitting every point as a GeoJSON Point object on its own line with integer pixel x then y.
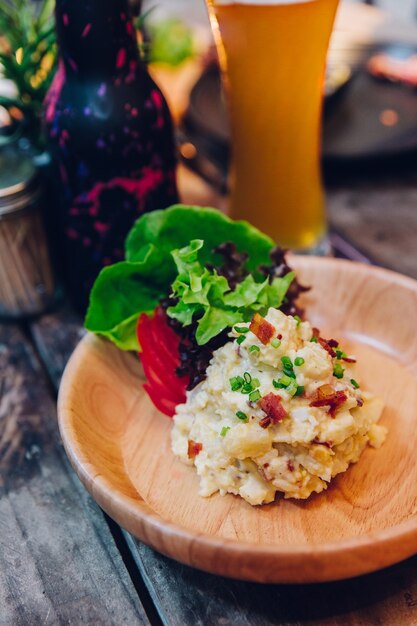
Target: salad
{"type": "Point", "coordinates": [261, 402]}
{"type": "Point", "coordinates": [177, 296]}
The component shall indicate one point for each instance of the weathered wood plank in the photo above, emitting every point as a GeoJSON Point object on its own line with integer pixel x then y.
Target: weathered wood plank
{"type": "Point", "coordinates": [184, 596]}
{"type": "Point", "coordinates": [58, 561]}
{"type": "Point", "coordinates": [55, 337]}
{"type": "Point", "coordinates": [380, 216]}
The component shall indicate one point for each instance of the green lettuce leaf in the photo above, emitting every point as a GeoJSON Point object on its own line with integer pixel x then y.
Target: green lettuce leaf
{"type": "Point", "coordinates": [205, 297]}
{"type": "Point", "coordinates": [175, 227]}
{"type": "Point", "coordinates": [124, 290]}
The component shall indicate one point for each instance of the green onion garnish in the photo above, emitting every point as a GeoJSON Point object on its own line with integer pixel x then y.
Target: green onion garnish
{"type": "Point", "coordinates": [292, 388]}
{"type": "Point", "coordinates": [300, 390]}
{"type": "Point", "coordinates": [314, 340]}
{"type": "Point", "coordinates": [288, 366]}
{"type": "Point", "coordinates": [285, 380]}
{"type": "Point", "coordinates": [254, 348]}
{"type": "Point", "coordinates": [240, 339]}
{"type": "Point", "coordinates": [242, 416]}
{"type": "Point", "coordinates": [236, 383]}
{"type": "Point", "coordinates": [255, 396]}
{"type": "Point", "coordinates": [340, 354]}
{"type": "Point", "coordinates": [298, 319]}
{"type": "Point", "coordinates": [338, 371]}
{"type": "Point", "coordinates": [275, 343]}
{"type": "Point", "coordinates": [241, 329]}
{"type": "Point", "coordinates": [224, 431]}
{"type": "Point", "coordinates": [354, 383]}
{"type": "Point", "coordinates": [245, 384]}
{"type": "Point", "coordinates": [299, 361]}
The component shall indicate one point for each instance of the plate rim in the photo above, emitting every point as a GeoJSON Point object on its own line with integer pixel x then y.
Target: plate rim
{"type": "Point", "coordinates": [283, 563]}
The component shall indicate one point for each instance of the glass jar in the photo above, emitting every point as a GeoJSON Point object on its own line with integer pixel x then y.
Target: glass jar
{"type": "Point", "coordinates": [27, 284]}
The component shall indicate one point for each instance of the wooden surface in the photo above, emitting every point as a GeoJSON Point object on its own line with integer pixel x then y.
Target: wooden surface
{"type": "Point", "coordinates": [120, 447]}
{"type": "Point", "coordinates": [58, 561]}
{"type": "Point", "coordinates": [182, 595]}
{"type": "Point", "coordinates": [72, 565]}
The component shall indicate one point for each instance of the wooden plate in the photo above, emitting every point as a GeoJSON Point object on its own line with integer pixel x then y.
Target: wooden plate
{"type": "Point", "coordinates": [119, 446]}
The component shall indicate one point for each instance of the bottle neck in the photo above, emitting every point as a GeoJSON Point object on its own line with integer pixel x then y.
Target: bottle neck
{"type": "Point", "coordinates": [96, 37]}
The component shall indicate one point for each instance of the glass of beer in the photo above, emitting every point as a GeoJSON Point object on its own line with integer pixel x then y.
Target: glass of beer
{"type": "Point", "coordinates": [273, 54]}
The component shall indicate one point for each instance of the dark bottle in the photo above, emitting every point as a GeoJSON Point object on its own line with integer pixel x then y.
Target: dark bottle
{"type": "Point", "coordinates": [111, 137]}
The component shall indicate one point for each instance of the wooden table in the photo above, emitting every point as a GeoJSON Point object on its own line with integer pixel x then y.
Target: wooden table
{"type": "Point", "coordinates": [62, 561]}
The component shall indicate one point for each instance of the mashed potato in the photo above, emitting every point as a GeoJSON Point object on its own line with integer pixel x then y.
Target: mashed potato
{"type": "Point", "coordinates": [279, 411]}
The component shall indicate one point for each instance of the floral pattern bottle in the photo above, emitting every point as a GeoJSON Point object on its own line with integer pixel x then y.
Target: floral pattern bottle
{"type": "Point", "coordinates": [111, 137]}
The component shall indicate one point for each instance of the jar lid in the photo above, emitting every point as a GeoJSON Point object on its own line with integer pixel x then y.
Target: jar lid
{"type": "Point", "coordinates": [18, 176]}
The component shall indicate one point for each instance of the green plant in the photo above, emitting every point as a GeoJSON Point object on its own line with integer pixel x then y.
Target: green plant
{"type": "Point", "coordinates": [28, 57]}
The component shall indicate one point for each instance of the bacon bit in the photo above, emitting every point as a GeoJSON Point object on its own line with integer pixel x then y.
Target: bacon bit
{"type": "Point", "coordinates": [262, 329]}
{"type": "Point", "coordinates": [326, 345]}
{"type": "Point", "coordinates": [327, 396]}
{"type": "Point", "coordinates": [266, 465]}
{"type": "Point", "coordinates": [265, 422]}
{"type": "Point", "coordinates": [194, 448]}
{"type": "Point", "coordinates": [340, 399]}
{"type": "Point", "coordinates": [290, 465]}
{"type": "Point", "coordinates": [279, 336]}
{"type": "Point", "coordinates": [323, 395]}
{"type": "Point", "coordinates": [317, 441]}
{"type": "Point", "coordinates": [348, 359]}
{"type": "Point", "coordinates": [271, 404]}
{"type": "Point", "coordinates": [359, 402]}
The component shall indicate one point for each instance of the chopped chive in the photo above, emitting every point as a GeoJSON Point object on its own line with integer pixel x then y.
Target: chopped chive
{"type": "Point", "coordinates": [241, 329]}
{"type": "Point", "coordinates": [288, 372]}
{"type": "Point", "coordinates": [292, 388]}
{"type": "Point", "coordinates": [314, 340]}
{"type": "Point", "coordinates": [247, 377]}
{"type": "Point", "coordinates": [247, 388]}
{"type": "Point", "coordinates": [224, 431]}
{"type": "Point", "coordinates": [254, 348]}
{"type": "Point", "coordinates": [340, 354]}
{"type": "Point", "coordinates": [255, 383]}
{"type": "Point", "coordinates": [285, 380]}
{"type": "Point", "coordinates": [298, 319]}
{"type": "Point", "coordinates": [277, 384]}
{"type": "Point", "coordinates": [240, 339]}
{"type": "Point", "coordinates": [299, 361]}
{"type": "Point", "coordinates": [338, 371]}
{"type": "Point", "coordinates": [354, 383]}
{"type": "Point", "coordinates": [286, 361]}
{"type": "Point", "coordinates": [242, 416]}
{"type": "Point", "coordinates": [236, 383]}
{"type": "Point", "coordinates": [300, 390]}
{"type": "Point", "coordinates": [254, 396]}
{"type": "Point", "coordinates": [275, 343]}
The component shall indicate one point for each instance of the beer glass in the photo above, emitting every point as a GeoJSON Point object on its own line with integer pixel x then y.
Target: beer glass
{"type": "Point", "coordinates": [272, 54]}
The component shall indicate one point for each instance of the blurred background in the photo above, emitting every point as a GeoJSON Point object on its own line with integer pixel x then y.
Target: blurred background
{"type": "Point", "coordinates": [369, 123]}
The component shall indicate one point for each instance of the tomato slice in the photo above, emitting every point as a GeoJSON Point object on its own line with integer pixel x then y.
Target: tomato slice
{"type": "Point", "coordinates": [160, 359]}
{"type": "Point", "coordinates": [169, 383]}
{"type": "Point", "coordinates": [165, 406]}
